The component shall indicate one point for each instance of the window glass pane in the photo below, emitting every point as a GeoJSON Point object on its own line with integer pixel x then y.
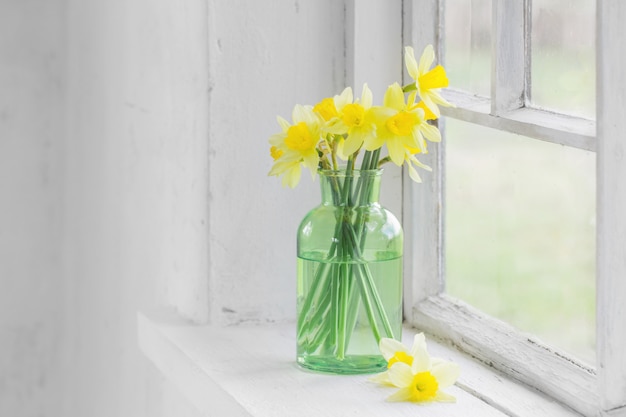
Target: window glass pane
{"type": "Point", "coordinates": [468, 45]}
{"type": "Point", "coordinates": [520, 233]}
{"type": "Point", "coordinates": [563, 56]}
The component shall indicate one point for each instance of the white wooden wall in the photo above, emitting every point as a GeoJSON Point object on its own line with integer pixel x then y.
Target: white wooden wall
{"type": "Point", "coordinates": [31, 123]}
{"type": "Point", "coordinates": [133, 154]}
{"type": "Point", "coordinates": [264, 57]}
{"type": "Point", "coordinates": [133, 161]}
{"type": "Point", "coordinates": [135, 201]}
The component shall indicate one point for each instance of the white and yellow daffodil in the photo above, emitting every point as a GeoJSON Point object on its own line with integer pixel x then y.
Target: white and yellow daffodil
{"type": "Point", "coordinates": [354, 119]}
{"type": "Point", "coordinates": [428, 81]}
{"type": "Point", "coordinates": [419, 377]}
{"type": "Point", "coordinates": [296, 145]}
{"type": "Point", "coordinates": [400, 125]}
{"type": "Point", "coordinates": [394, 351]}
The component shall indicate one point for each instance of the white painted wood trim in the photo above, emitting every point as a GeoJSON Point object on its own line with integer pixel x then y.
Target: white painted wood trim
{"type": "Point", "coordinates": [509, 42]}
{"type": "Point", "coordinates": [371, 26]}
{"type": "Point", "coordinates": [618, 412]}
{"type": "Point", "coordinates": [611, 206]}
{"type": "Point", "coordinates": [249, 370]}
{"type": "Point", "coordinates": [504, 348]}
{"type": "Point", "coordinates": [534, 123]}
{"type": "Point", "coordinates": [173, 361]}
{"type": "Point", "coordinates": [423, 203]}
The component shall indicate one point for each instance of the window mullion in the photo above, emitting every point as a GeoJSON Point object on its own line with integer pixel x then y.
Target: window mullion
{"type": "Point", "coordinates": [509, 64]}
{"type": "Point", "coordinates": [611, 207]}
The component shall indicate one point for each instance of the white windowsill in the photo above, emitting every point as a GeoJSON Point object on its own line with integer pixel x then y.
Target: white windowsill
{"type": "Point", "coordinates": [249, 370]}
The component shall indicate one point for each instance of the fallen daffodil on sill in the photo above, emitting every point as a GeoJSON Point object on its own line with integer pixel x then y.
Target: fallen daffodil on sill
{"type": "Point", "coordinates": [420, 377]}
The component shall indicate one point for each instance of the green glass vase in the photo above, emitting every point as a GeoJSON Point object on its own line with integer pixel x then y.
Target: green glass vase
{"type": "Point", "coordinates": [349, 291]}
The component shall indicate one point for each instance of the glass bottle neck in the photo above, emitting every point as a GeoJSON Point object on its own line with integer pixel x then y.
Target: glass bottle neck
{"type": "Point", "coordinates": [355, 188]}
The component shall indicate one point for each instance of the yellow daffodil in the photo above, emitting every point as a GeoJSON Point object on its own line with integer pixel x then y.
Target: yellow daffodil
{"type": "Point", "coordinates": [296, 145]}
{"type": "Point", "coordinates": [400, 125]}
{"type": "Point", "coordinates": [354, 119]}
{"type": "Point", "coordinates": [419, 377]}
{"type": "Point", "coordinates": [394, 351]}
{"type": "Point", "coordinates": [428, 81]}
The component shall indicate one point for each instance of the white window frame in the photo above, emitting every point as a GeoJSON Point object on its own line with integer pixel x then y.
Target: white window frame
{"type": "Point", "coordinates": [590, 391]}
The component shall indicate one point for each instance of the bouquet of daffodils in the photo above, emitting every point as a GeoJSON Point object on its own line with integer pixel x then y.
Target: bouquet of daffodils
{"type": "Point", "coordinates": [344, 283]}
{"type": "Point", "coordinates": [340, 127]}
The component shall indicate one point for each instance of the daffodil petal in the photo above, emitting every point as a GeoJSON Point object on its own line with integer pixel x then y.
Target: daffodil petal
{"type": "Point", "coordinates": [446, 373]}
{"type": "Point", "coordinates": [381, 378]}
{"type": "Point", "coordinates": [431, 132]}
{"type": "Point", "coordinates": [298, 113]}
{"type": "Point", "coordinates": [353, 142]}
{"type": "Point", "coordinates": [428, 102]}
{"type": "Point", "coordinates": [388, 347]}
{"type": "Point", "coordinates": [411, 62]}
{"type": "Point", "coordinates": [394, 97]}
{"type": "Point", "coordinates": [421, 359]}
{"type": "Point", "coordinates": [366, 97]}
{"type": "Point", "coordinates": [400, 375]}
{"type": "Point", "coordinates": [442, 397]}
{"type": "Point", "coordinates": [284, 124]}
{"type": "Point", "coordinates": [418, 163]}
{"type": "Point", "coordinates": [292, 177]}
{"type": "Point", "coordinates": [281, 166]}
{"type": "Point", "coordinates": [277, 139]}
{"type": "Point", "coordinates": [419, 343]}
{"type": "Point", "coordinates": [311, 160]}
{"type": "Point", "coordinates": [426, 60]}
{"type": "Point", "coordinates": [410, 102]}
{"type": "Point", "coordinates": [304, 114]}
{"type": "Point", "coordinates": [372, 143]}
{"type": "Point", "coordinates": [438, 99]}
{"type": "Point", "coordinates": [290, 170]}
{"type": "Point", "coordinates": [419, 141]}
{"type": "Point", "coordinates": [335, 126]}
{"type": "Point", "coordinates": [396, 151]}
{"type": "Point", "coordinates": [403, 394]}
{"type": "Point", "coordinates": [343, 99]}
{"type": "Point", "coordinates": [413, 174]}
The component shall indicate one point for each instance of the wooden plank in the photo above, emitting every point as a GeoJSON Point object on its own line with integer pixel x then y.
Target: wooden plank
{"type": "Point", "coordinates": [534, 123]}
{"type": "Point", "coordinates": [618, 412]}
{"type": "Point", "coordinates": [198, 387]}
{"type": "Point", "coordinates": [504, 348]}
{"type": "Point", "coordinates": [611, 205]}
{"type": "Point", "coordinates": [498, 390]}
{"type": "Point", "coordinates": [509, 40]}
{"type": "Point", "coordinates": [253, 366]}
